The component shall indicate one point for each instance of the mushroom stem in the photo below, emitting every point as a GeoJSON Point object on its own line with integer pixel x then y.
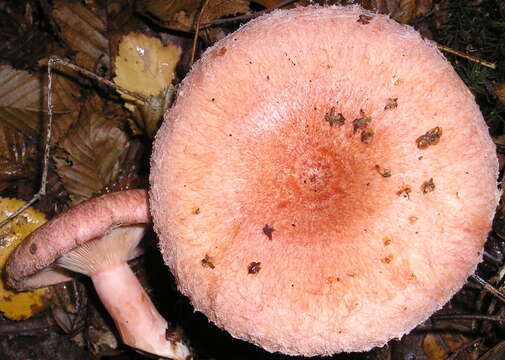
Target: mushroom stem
{"type": "Point", "coordinates": [139, 323]}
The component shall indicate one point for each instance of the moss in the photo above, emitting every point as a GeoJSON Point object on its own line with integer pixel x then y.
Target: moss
{"type": "Point", "coordinates": [477, 28]}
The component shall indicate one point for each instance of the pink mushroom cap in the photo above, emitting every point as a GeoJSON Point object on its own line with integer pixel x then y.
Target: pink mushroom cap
{"type": "Point", "coordinates": [324, 182]}
{"type": "Point", "coordinates": [31, 264]}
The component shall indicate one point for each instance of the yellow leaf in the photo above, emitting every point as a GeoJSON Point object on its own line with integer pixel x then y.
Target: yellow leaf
{"type": "Point", "coordinates": [144, 65]}
{"type": "Point", "coordinates": [19, 306]}
{"type": "Point", "coordinates": [147, 67]}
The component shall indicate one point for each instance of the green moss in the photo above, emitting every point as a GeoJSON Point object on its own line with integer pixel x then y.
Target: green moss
{"type": "Point", "coordinates": [477, 28]}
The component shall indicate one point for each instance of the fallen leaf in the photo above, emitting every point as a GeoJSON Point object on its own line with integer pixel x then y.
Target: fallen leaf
{"type": "Point", "coordinates": [182, 14]}
{"type": "Point", "coordinates": [84, 32]}
{"type": "Point", "coordinates": [410, 9]}
{"type": "Point", "coordinates": [500, 150]}
{"type": "Point", "coordinates": [17, 155]}
{"type": "Point", "coordinates": [87, 159]}
{"type": "Point", "coordinates": [121, 15]}
{"type": "Point", "coordinates": [268, 3]}
{"type": "Point", "coordinates": [402, 11]}
{"type": "Point", "coordinates": [496, 353]}
{"type": "Point", "coordinates": [23, 101]}
{"type": "Point", "coordinates": [147, 67]}
{"type": "Point", "coordinates": [439, 346]}
{"type": "Point", "coordinates": [144, 65]}
{"type": "Point", "coordinates": [19, 306]}
{"type": "Point", "coordinates": [499, 91]}
{"type": "Point", "coordinates": [22, 38]}
{"type": "Point", "coordinates": [101, 339]}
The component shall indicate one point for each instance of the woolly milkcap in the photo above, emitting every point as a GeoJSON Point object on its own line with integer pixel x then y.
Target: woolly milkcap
{"type": "Point", "coordinates": [324, 182]}
{"type": "Point", "coordinates": [89, 239]}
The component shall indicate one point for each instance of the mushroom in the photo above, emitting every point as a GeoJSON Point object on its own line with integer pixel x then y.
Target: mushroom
{"type": "Point", "coordinates": [89, 239]}
{"type": "Point", "coordinates": [324, 182]}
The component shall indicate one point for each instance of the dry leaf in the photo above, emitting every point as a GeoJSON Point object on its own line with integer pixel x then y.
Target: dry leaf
{"type": "Point", "coordinates": [438, 346]}
{"type": "Point", "coordinates": [499, 91]}
{"type": "Point", "coordinates": [19, 306]}
{"type": "Point", "coordinates": [181, 14]}
{"type": "Point", "coordinates": [268, 3]}
{"type": "Point", "coordinates": [17, 155]}
{"type": "Point", "coordinates": [84, 32]}
{"type": "Point", "coordinates": [22, 39]}
{"type": "Point", "coordinates": [101, 339]}
{"type": "Point", "coordinates": [401, 10]}
{"type": "Point", "coordinates": [87, 159]}
{"type": "Point", "coordinates": [500, 147]}
{"type": "Point", "coordinates": [144, 65]}
{"type": "Point", "coordinates": [148, 116]}
{"type": "Point", "coordinates": [23, 101]}
{"type": "Point", "coordinates": [496, 353]}
{"type": "Point", "coordinates": [147, 67]}
{"type": "Point", "coordinates": [121, 15]}
{"type": "Point", "coordinates": [410, 9]}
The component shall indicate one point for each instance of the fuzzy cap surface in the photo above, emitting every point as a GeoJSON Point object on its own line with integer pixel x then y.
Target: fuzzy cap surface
{"type": "Point", "coordinates": [324, 182]}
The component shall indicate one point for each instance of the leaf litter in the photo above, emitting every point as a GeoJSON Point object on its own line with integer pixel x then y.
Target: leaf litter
{"type": "Point", "coordinates": [102, 139]}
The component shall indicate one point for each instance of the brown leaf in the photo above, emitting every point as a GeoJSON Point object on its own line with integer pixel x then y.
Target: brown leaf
{"type": "Point", "coordinates": [268, 3]}
{"type": "Point", "coordinates": [87, 160]}
{"type": "Point", "coordinates": [23, 101]}
{"type": "Point", "coordinates": [407, 10]}
{"type": "Point", "coordinates": [101, 339]}
{"type": "Point", "coordinates": [496, 353]}
{"type": "Point", "coordinates": [121, 16]}
{"type": "Point", "coordinates": [22, 39]}
{"type": "Point", "coordinates": [181, 14]}
{"type": "Point", "coordinates": [439, 346]}
{"type": "Point", "coordinates": [499, 91]}
{"type": "Point", "coordinates": [84, 32]}
{"type": "Point", "coordinates": [17, 155]}
{"type": "Point", "coordinates": [401, 10]}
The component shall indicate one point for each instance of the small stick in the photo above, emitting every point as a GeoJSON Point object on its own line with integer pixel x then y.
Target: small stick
{"type": "Point", "coordinates": [466, 56]}
{"type": "Point", "coordinates": [197, 30]}
{"type": "Point", "coordinates": [488, 287]}
{"type": "Point", "coordinates": [28, 325]}
{"type": "Point", "coordinates": [247, 16]}
{"type": "Point", "coordinates": [467, 317]}
{"type": "Point", "coordinates": [56, 59]}
{"type": "Point", "coordinates": [45, 160]}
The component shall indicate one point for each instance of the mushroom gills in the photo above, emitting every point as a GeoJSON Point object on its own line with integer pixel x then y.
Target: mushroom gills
{"type": "Point", "coordinates": [111, 250]}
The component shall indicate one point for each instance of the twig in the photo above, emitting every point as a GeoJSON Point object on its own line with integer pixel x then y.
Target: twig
{"type": "Point", "coordinates": [89, 74]}
{"type": "Point", "coordinates": [467, 317]}
{"type": "Point", "coordinates": [488, 287]}
{"type": "Point", "coordinates": [466, 56]}
{"type": "Point", "coordinates": [45, 160]}
{"type": "Point", "coordinates": [197, 30]}
{"type": "Point", "coordinates": [29, 325]}
{"type": "Point", "coordinates": [247, 16]}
